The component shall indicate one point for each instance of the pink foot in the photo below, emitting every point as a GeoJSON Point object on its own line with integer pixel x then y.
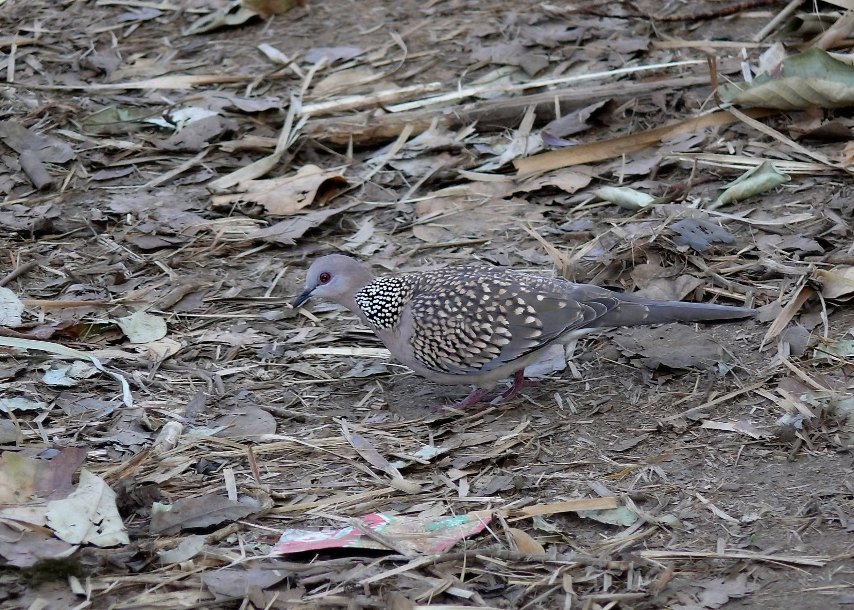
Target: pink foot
{"type": "Point", "coordinates": [479, 395]}
{"type": "Point", "coordinates": [482, 395]}
{"type": "Point", "coordinates": [519, 382]}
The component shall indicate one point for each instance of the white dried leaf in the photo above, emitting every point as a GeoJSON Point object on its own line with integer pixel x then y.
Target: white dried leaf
{"type": "Point", "coordinates": [88, 515]}
{"type": "Point", "coordinates": [11, 308]}
{"type": "Point", "coordinates": [142, 327]}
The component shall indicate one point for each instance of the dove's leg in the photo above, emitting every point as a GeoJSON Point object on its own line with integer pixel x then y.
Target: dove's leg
{"type": "Point", "coordinates": [519, 382]}
{"type": "Point", "coordinates": [482, 395]}
{"type": "Point", "coordinates": [479, 395]}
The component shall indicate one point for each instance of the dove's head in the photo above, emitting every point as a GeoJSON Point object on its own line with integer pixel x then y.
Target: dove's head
{"type": "Point", "coordinates": [336, 278]}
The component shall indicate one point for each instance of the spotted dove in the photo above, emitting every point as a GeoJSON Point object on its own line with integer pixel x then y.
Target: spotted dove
{"type": "Point", "coordinates": [476, 324]}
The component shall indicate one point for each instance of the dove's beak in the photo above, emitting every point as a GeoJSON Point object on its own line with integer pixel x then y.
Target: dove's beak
{"type": "Point", "coordinates": [302, 298]}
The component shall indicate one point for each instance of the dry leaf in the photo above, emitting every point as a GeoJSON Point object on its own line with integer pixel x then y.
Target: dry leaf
{"type": "Point", "coordinates": [836, 282]}
{"type": "Point", "coordinates": [744, 426]}
{"type": "Point", "coordinates": [352, 81]}
{"type": "Point", "coordinates": [142, 327]}
{"type": "Point", "coordinates": [288, 194]}
{"type": "Point", "coordinates": [247, 422]}
{"type": "Point", "coordinates": [609, 149]}
{"type": "Point", "coordinates": [11, 308]}
{"type": "Point", "coordinates": [625, 197]}
{"type": "Point", "coordinates": [788, 312]}
{"type": "Point", "coordinates": [88, 515]}
{"type": "Point", "coordinates": [240, 583]}
{"type": "Point", "coordinates": [289, 230]}
{"type": "Point", "coordinates": [622, 515]}
{"type": "Point", "coordinates": [757, 180]}
{"type": "Point", "coordinates": [23, 549]}
{"type": "Point", "coordinates": [199, 511]}
{"type": "Point", "coordinates": [811, 78]}
{"type": "Point", "coordinates": [524, 542]}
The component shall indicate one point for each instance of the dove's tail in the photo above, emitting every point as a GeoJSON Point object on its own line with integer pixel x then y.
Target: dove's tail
{"type": "Point", "coordinates": [637, 311]}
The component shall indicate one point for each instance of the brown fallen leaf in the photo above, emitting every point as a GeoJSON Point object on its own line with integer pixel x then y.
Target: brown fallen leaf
{"type": "Point", "coordinates": [615, 147]}
{"type": "Point", "coordinates": [288, 231]}
{"type": "Point", "coordinates": [237, 583]}
{"type": "Point", "coordinates": [249, 422]}
{"type": "Point", "coordinates": [524, 542]}
{"type": "Point", "coordinates": [23, 549]}
{"type": "Point", "coordinates": [718, 591]}
{"type": "Point", "coordinates": [199, 512]}
{"type": "Point", "coordinates": [23, 478]}
{"type": "Point", "coordinates": [352, 81]}
{"type": "Point", "coordinates": [566, 506]}
{"type": "Point", "coordinates": [788, 312]}
{"type": "Point", "coordinates": [670, 289]}
{"type": "Point", "coordinates": [369, 453]}
{"type": "Point", "coordinates": [743, 426]}
{"type": "Point", "coordinates": [268, 8]}
{"type": "Point", "coordinates": [837, 282]}
{"type": "Point", "coordinates": [287, 194]}
{"type": "Point", "coordinates": [46, 148]}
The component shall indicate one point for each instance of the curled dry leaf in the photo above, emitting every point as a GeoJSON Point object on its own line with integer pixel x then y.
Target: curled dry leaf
{"type": "Point", "coordinates": [360, 79]}
{"type": "Point", "coordinates": [567, 180]}
{"type": "Point", "coordinates": [757, 180]}
{"type": "Point", "coordinates": [569, 124]}
{"type": "Point", "coordinates": [368, 453]}
{"type": "Point", "coordinates": [239, 583]}
{"type": "Point", "coordinates": [626, 198]}
{"type": "Point", "coordinates": [68, 375]}
{"type": "Point", "coordinates": [168, 437]}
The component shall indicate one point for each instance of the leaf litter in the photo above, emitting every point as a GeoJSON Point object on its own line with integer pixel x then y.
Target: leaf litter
{"type": "Point", "coordinates": [168, 172]}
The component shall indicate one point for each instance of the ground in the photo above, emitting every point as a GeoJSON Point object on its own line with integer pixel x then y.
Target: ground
{"type": "Point", "coordinates": [725, 448]}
